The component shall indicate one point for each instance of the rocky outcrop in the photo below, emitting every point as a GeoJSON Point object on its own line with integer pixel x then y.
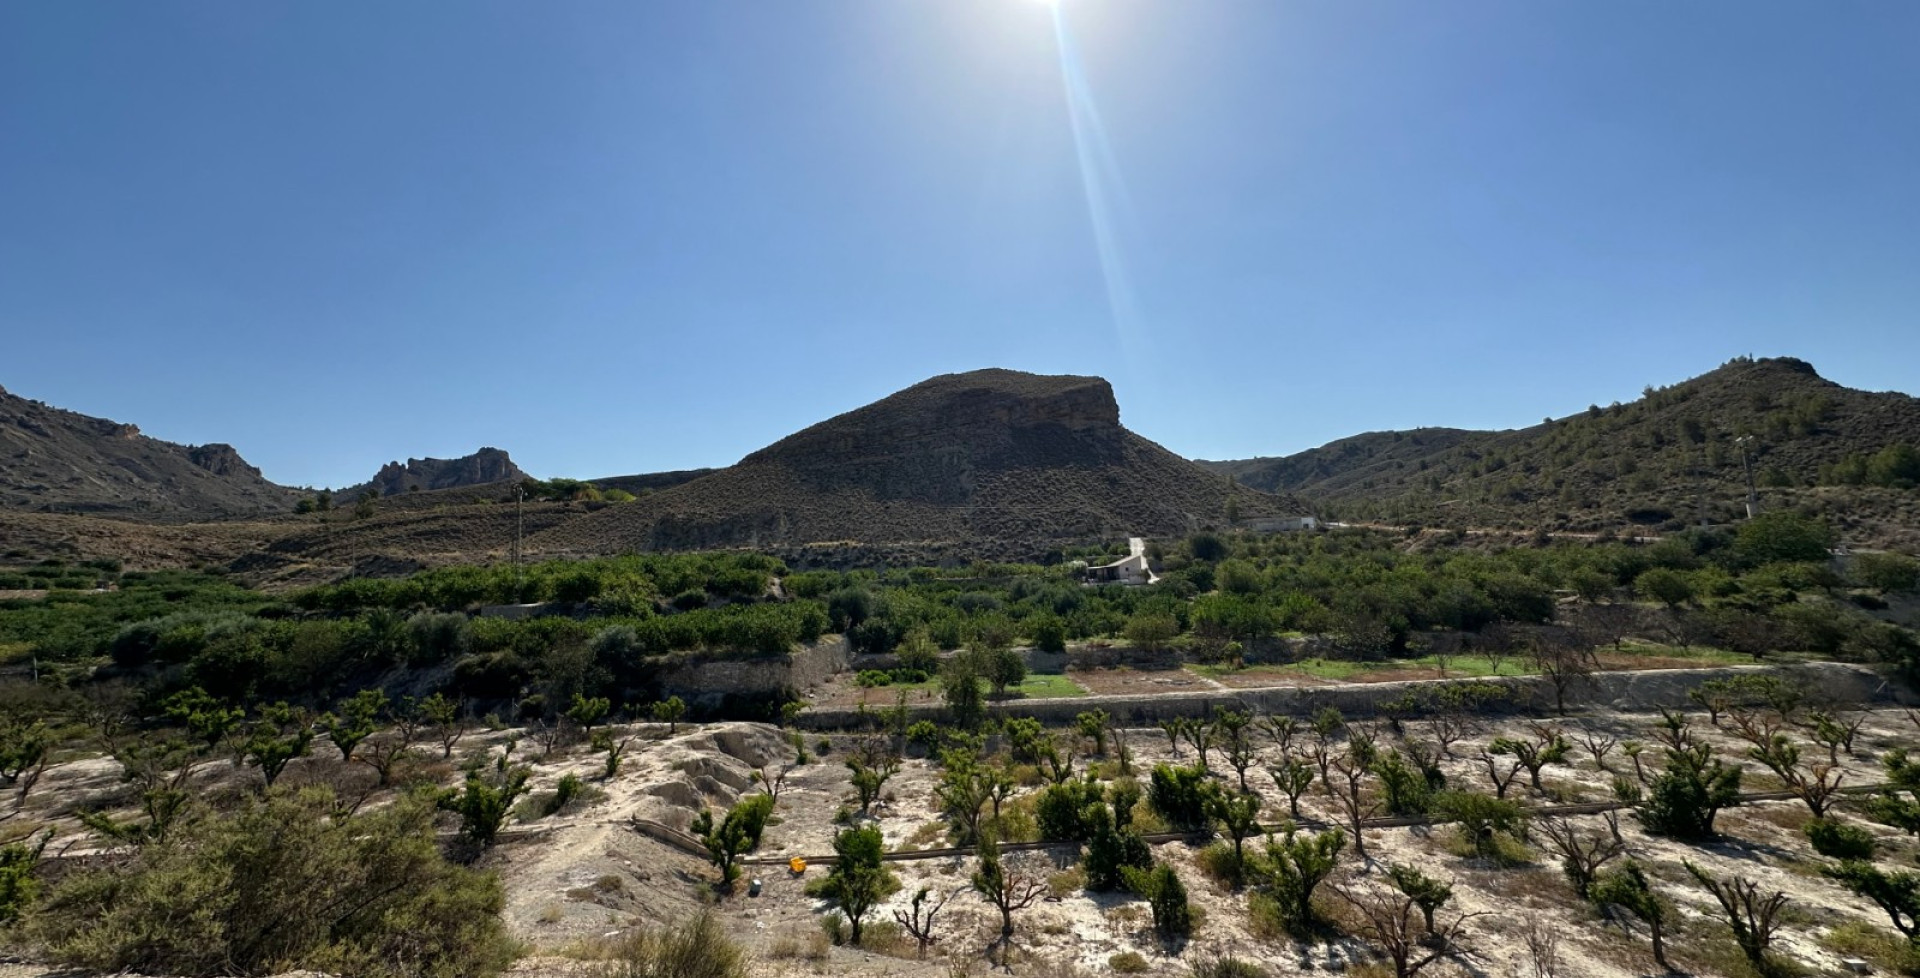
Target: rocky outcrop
{"type": "Point", "coordinates": [64, 462]}
{"type": "Point", "coordinates": [222, 460]}
{"type": "Point", "coordinates": [484, 467]}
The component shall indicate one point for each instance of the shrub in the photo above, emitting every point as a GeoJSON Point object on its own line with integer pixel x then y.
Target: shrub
{"type": "Point", "coordinates": [872, 678]}
{"type": "Point", "coordinates": [1166, 898]}
{"type": "Point", "coordinates": [1062, 809]}
{"type": "Point", "coordinates": [1226, 967]}
{"type": "Point", "coordinates": [1128, 963]}
{"type": "Point", "coordinates": [1481, 818]}
{"type": "Point", "coordinates": [1685, 798]}
{"type": "Point", "coordinates": [699, 948]}
{"type": "Point", "coordinates": [1838, 840]}
{"type": "Point", "coordinates": [286, 882]}
{"type": "Point", "coordinates": [17, 885]}
{"type": "Point", "coordinates": [1181, 796]}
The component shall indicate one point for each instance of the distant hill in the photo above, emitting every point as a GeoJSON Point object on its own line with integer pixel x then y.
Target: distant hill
{"type": "Point", "coordinates": [484, 467]}
{"type": "Point", "coordinates": [651, 481]}
{"type": "Point", "coordinates": [1000, 456]}
{"type": "Point", "coordinates": [1653, 462]}
{"type": "Point", "coordinates": [53, 460]}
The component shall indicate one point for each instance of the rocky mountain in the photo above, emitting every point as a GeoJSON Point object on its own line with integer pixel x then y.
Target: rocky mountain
{"type": "Point", "coordinates": [484, 467]}
{"type": "Point", "coordinates": [1659, 461]}
{"type": "Point", "coordinates": [1009, 458]}
{"type": "Point", "coordinates": [53, 460]}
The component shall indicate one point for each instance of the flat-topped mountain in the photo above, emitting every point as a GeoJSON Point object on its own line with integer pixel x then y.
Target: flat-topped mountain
{"type": "Point", "coordinates": [484, 467]}
{"type": "Point", "coordinates": [1659, 460]}
{"type": "Point", "coordinates": [986, 455]}
{"type": "Point", "coordinates": [61, 461]}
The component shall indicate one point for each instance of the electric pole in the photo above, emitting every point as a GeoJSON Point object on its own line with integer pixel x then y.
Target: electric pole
{"type": "Point", "coordinates": [1746, 462]}
{"type": "Point", "coordinates": [519, 540]}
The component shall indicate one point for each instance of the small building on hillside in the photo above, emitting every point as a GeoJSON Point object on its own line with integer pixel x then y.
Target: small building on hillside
{"type": "Point", "coordinates": [1131, 569]}
{"type": "Point", "coordinates": [1281, 524]}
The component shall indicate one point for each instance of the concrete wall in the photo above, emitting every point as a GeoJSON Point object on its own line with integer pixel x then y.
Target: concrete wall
{"type": "Point", "coordinates": [707, 680]}
{"type": "Point", "coordinates": [1643, 691]}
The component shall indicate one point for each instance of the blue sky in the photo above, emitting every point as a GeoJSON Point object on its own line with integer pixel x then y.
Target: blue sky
{"type": "Point", "coordinates": [624, 237]}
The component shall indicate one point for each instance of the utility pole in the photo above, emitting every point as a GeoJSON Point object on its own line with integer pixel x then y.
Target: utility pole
{"type": "Point", "coordinates": [1746, 461]}
{"type": "Point", "coordinates": [519, 540]}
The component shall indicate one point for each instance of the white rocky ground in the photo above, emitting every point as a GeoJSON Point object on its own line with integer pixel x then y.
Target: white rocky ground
{"type": "Point", "coordinates": [586, 873]}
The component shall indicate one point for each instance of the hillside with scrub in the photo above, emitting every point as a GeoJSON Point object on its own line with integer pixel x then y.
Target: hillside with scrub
{"type": "Point", "coordinates": [1664, 461]}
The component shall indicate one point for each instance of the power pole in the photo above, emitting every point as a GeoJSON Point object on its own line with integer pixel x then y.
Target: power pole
{"type": "Point", "coordinates": [519, 540]}
{"type": "Point", "coordinates": [1746, 461]}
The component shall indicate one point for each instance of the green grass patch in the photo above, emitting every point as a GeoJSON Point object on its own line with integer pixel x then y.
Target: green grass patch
{"type": "Point", "coordinates": [1047, 685]}
{"type": "Point", "coordinates": [1701, 653]}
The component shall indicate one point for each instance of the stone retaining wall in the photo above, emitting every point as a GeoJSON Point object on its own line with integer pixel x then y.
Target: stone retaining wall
{"type": "Point", "coordinates": [1630, 692]}
{"type": "Point", "coordinates": [707, 681]}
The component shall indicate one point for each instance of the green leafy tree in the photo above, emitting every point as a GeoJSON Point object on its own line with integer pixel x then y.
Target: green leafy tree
{"type": "Point", "coordinates": [1628, 889]}
{"type": "Point", "coordinates": [1239, 813]}
{"type": "Point", "coordinates": [1684, 799]}
{"type": "Point", "coordinates": [484, 801]}
{"type": "Point", "coordinates": [872, 766]}
{"type": "Point", "coordinates": [1665, 585]}
{"type": "Point", "coordinates": [670, 711]}
{"type": "Point", "coordinates": [735, 835]}
{"type": "Point", "coordinates": [1183, 796]}
{"type": "Point", "coordinates": [1427, 893]}
{"type": "Point", "coordinates": [587, 713]}
{"type": "Point", "coordinates": [1293, 777]}
{"type": "Point", "coordinates": [1295, 866]}
{"type": "Point", "coordinates": [1780, 537]}
{"type": "Point", "coordinates": [207, 719]}
{"type": "Point", "coordinates": [443, 715]}
{"type": "Point", "coordinates": [859, 879]}
{"type": "Point", "coordinates": [1897, 893]}
{"type": "Point", "coordinates": [960, 682]}
{"type": "Point", "coordinates": [281, 734]}
{"type": "Point", "coordinates": [1481, 818]}
{"type": "Point", "coordinates": [1166, 898]}
{"type": "Point", "coordinates": [359, 717]}
{"type": "Point", "coordinates": [1544, 748]}
{"type": "Point", "coordinates": [1113, 845]}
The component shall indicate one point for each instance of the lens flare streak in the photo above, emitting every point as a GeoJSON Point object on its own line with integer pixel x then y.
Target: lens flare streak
{"type": "Point", "coordinates": [1107, 202]}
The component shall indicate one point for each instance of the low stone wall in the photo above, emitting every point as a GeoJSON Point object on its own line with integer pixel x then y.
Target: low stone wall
{"type": "Point", "coordinates": [706, 680]}
{"type": "Point", "coordinates": [1630, 692]}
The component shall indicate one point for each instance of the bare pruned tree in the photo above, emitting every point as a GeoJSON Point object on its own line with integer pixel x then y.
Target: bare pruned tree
{"type": "Point", "coordinates": [1599, 744]}
{"type": "Point", "coordinates": [1502, 780]}
{"type": "Point", "coordinates": [1582, 854]}
{"type": "Point", "coordinates": [919, 916]}
{"type": "Point", "coordinates": [1391, 920]}
{"type": "Point", "coordinates": [1566, 659]}
{"type": "Point", "coordinates": [1352, 798]}
{"type": "Point", "coordinates": [1752, 916]}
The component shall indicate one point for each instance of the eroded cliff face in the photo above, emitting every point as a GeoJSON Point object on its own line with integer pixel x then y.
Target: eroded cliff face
{"type": "Point", "coordinates": [486, 466]}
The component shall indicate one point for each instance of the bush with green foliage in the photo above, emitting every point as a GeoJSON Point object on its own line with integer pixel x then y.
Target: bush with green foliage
{"type": "Point", "coordinates": [1838, 840]}
{"type": "Point", "coordinates": [286, 882]}
{"type": "Point", "coordinates": [17, 884]}
{"type": "Point", "coordinates": [1684, 799]}
{"type": "Point", "coordinates": [1166, 898]}
{"type": "Point", "coordinates": [859, 879]}
{"type": "Point", "coordinates": [1182, 796]}
{"type": "Point", "coordinates": [1293, 869]}
{"type": "Point", "coordinates": [696, 948]}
